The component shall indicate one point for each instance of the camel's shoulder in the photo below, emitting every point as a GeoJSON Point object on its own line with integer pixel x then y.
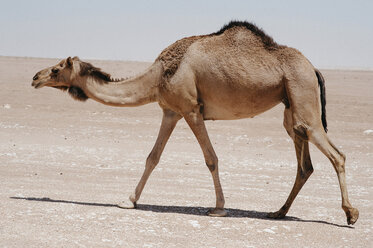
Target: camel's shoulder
{"type": "Point", "coordinates": [172, 56]}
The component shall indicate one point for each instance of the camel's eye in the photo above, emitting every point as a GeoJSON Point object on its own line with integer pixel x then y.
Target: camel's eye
{"type": "Point", "coordinates": [55, 70]}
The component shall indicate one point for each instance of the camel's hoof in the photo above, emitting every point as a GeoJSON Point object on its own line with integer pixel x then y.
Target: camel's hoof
{"type": "Point", "coordinates": [352, 216]}
{"type": "Point", "coordinates": [133, 198]}
{"type": "Point", "coordinates": [217, 212]}
{"type": "Point", "coordinates": [276, 215]}
{"type": "Point", "coordinates": [128, 204]}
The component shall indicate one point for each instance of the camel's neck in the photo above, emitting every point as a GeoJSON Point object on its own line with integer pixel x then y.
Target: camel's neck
{"type": "Point", "coordinates": [135, 91]}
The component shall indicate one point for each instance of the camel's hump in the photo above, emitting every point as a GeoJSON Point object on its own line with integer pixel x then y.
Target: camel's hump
{"type": "Point", "coordinates": [172, 56]}
{"type": "Point", "coordinates": [267, 40]}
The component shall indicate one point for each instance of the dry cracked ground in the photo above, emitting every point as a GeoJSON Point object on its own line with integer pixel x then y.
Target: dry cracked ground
{"type": "Point", "coordinates": [65, 164]}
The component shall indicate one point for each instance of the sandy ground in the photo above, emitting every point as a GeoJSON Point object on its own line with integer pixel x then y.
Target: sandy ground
{"type": "Point", "coordinates": [65, 164]}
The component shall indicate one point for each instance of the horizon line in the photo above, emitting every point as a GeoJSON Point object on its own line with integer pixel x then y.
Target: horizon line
{"type": "Point", "coordinates": [335, 68]}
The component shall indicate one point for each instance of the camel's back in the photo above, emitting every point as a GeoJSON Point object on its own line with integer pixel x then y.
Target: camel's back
{"type": "Point", "coordinates": [235, 36]}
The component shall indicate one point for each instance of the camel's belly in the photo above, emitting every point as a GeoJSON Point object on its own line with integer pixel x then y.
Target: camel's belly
{"type": "Point", "coordinates": [214, 111]}
{"type": "Point", "coordinates": [224, 103]}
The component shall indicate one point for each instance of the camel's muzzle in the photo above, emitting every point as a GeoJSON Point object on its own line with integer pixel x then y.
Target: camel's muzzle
{"type": "Point", "coordinates": [37, 85]}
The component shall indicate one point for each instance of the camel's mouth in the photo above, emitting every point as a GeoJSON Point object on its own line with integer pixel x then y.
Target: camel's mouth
{"type": "Point", "coordinates": [37, 85]}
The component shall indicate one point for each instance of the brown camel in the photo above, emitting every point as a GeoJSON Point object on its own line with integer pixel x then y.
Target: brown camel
{"type": "Point", "coordinates": [237, 72]}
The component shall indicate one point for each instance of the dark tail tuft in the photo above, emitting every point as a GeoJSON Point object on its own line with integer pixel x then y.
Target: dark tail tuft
{"type": "Point", "coordinates": [321, 81]}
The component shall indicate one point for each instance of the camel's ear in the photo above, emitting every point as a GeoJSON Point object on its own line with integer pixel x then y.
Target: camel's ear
{"type": "Point", "coordinates": [69, 62]}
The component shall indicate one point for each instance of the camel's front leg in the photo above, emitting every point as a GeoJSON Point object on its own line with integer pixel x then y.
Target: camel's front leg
{"type": "Point", "coordinates": [169, 121]}
{"type": "Point", "coordinates": [196, 123]}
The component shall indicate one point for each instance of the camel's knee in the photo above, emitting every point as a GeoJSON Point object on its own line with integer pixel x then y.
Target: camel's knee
{"type": "Point", "coordinates": [212, 163]}
{"type": "Point", "coordinates": [339, 162]}
{"type": "Point", "coordinates": [337, 158]}
{"type": "Point", "coordinates": [341, 157]}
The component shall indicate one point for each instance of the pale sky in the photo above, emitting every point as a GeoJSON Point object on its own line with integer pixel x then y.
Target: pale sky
{"type": "Point", "coordinates": [331, 34]}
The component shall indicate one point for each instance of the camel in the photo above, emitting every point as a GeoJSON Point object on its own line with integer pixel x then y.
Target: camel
{"type": "Point", "coordinates": [237, 72]}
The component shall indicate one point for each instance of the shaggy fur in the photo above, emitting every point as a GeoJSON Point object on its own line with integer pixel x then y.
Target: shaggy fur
{"type": "Point", "coordinates": [75, 92]}
{"type": "Point", "coordinates": [78, 94]}
{"type": "Point", "coordinates": [172, 55]}
{"type": "Point", "coordinates": [267, 41]}
{"type": "Point", "coordinates": [87, 69]}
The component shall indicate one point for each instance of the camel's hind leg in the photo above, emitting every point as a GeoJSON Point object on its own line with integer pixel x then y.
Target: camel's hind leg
{"type": "Point", "coordinates": [196, 123]}
{"type": "Point", "coordinates": [168, 124]}
{"type": "Point", "coordinates": [305, 108]}
{"type": "Point", "coordinates": [304, 170]}
{"type": "Point", "coordinates": [320, 139]}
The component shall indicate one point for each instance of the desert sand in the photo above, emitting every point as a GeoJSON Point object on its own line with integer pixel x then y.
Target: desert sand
{"type": "Point", "coordinates": [64, 165]}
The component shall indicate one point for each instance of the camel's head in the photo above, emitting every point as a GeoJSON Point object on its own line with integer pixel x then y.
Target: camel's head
{"type": "Point", "coordinates": [61, 76]}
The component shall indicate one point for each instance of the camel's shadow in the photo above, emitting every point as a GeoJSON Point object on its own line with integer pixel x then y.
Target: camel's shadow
{"type": "Point", "coordinates": [200, 211]}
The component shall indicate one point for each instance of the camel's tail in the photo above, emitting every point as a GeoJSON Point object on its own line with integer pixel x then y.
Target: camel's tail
{"type": "Point", "coordinates": [321, 81]}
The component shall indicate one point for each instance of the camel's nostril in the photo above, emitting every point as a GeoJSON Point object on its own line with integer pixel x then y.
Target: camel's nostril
{"type": "Point", "coordinates": [35, 77]}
